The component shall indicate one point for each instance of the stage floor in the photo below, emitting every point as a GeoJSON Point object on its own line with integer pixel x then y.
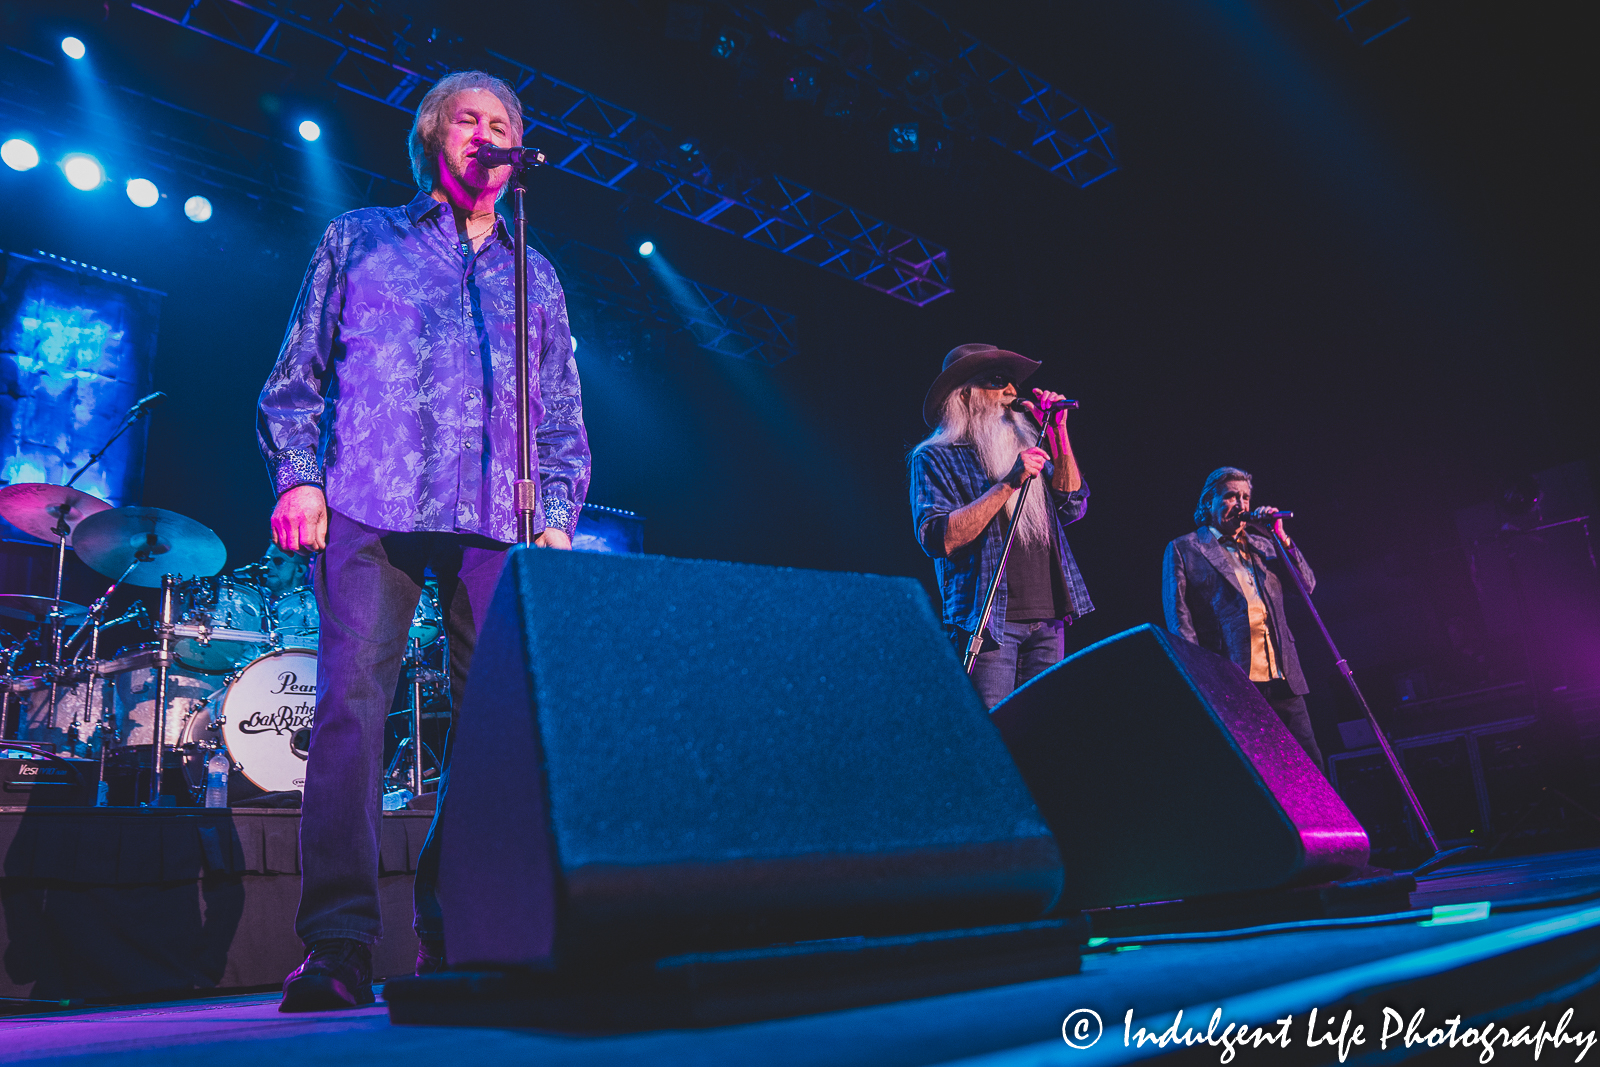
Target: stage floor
{"type": "Point", "coordinates": [1005, 1026]}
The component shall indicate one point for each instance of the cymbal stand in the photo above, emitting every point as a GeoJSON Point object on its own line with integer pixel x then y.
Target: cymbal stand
{"type": "Point", "coordinates": [1438, 857]}
{"type": "Point", "coordinates": [92, 622]}
{"type": "Point", "coordinates": [414, 655]}
{"type": "Point", "coordinates": [56, 620]}
{"type": "Point", "coordinates": [163, 665]}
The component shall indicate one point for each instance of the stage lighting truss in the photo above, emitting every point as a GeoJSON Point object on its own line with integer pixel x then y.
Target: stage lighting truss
{"type": "Point", "coordinates": [1367, 20]}
{"type": "Point", "coordinates": [719, 321]}
{"type": "Point", "coordinates": [904, 51]}
{"type": "Point", "coordinates": [207, 151]}
{"type": "Point", "coordinates": [582, 134]}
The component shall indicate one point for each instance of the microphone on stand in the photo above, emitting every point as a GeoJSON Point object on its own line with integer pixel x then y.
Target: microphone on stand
{"type": "Point", "coordinates": [144, 404]}
{"type": "Point", "coordinates": [491, 155]}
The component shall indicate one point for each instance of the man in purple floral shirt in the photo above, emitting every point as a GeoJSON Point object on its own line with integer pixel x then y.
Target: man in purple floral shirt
{"type": "Point", "coordinates": [389, 429]}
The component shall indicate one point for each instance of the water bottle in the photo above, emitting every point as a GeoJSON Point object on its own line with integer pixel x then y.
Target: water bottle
{"type": "Point", "coordinates": [217, 768]}
{"type": "Point", "coordinates": [396, 799]}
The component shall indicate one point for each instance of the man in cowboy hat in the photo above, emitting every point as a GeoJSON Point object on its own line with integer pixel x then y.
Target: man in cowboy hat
{"type": "Point", "coordinates": [965, 478]}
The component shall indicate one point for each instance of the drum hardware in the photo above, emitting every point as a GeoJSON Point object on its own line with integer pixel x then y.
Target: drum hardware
{"type": "Point", "coordinates": [414, 656]}
{"type": "Point", "coordinates": [223, 623]}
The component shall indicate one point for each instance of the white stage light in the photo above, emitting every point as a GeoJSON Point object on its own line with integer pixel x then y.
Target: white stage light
{"type": "Point", "coordinates": [143, 192]}
{"type": "Point", "coordinates": [19, 154]}
{"type": "Point", "coordinates": [198, 208]}
{"type": "Point", "coordinates": [310, 130]}
{"type": "Point", "coordinates": [647, 248]}
{"type": "Point", "coordinates": [83, 172]}
{"type": "Point", "coordinates": [73, 48]}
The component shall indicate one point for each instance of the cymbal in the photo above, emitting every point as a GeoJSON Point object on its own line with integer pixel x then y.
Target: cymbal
{"type": "Point", "coordinates": [20, 607]}
{"type": "Point", "coordinates": [164, 541]}
{"type": "Point", "coordinates": [37, 506]}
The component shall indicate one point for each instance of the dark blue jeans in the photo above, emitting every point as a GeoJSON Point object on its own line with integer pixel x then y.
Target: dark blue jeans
{"type": "Point", "coordinates": [367, 585]}
{"type": "Point", "coordinates": [1027, 649]}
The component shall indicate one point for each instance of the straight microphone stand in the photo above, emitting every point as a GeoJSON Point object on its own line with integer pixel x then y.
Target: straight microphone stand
{"type": "Point", "coordinates": [526, 489]}
{"type": "Point", "coordinates": [1438, 858]}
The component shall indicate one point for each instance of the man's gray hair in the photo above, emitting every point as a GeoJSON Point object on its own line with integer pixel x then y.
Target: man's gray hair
{"type": "Point", "coordinates": [427, 132]}
{"type": "Point", "coordinates": [1214, 482]}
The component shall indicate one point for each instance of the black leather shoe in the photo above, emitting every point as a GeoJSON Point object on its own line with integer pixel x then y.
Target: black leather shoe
{"type": "Point", "coordinates": [430, 957]}
{"type": "Point", "coordinates": [337, 973]}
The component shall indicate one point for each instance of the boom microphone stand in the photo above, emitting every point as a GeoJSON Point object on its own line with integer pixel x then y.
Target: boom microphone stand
{"type": "Point", "coordinates": [1438, 858]}
{"type": "Point", "coordinates": [975, 645]}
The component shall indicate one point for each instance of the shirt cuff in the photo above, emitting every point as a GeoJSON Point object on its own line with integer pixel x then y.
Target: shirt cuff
{"type": "Point", "coordinates": [294, 467]}
{"type": "Point", "coordinates": [561, 515]}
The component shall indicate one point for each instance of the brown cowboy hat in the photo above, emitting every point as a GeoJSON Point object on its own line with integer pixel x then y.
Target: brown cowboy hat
{"type": "Point", "coordinates": [966, 362]}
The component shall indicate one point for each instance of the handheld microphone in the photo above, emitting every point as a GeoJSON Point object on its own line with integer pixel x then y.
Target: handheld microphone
{"type": "Point", "coordinates": [1260, 516]}
{"type": "Point", "coordinates": [491, 155]}
{"type": "Point", "coordinates": [144, 404]}
{"type": "Point", "coordinates": [1021, 404]}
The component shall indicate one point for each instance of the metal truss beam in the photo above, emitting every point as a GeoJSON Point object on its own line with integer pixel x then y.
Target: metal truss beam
{"type": "Point", "coordinates": [1367, 20]}
{"type": "Point", "coordinates": [904, 51]}
{"type": "Point", "coordinates": [185, 143]}
{"type": "Point", "coordinates": [582, 134]}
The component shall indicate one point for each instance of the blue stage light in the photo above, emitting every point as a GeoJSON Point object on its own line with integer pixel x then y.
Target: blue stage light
{"type": "Point", "coordinates": [310, 130]}
{"type": "Point", "coordinates": [73, 48]}
{"type": "Point", "coordinates": [198, 208]}
{"type": "Point", "coordinates": [646, 248]}
{"type": "Point", "coordinates": [143, 192]}
{"type": "Point", "coordinates": [19, 154]}
{"type": "Point", "coordinates": [83, 172]}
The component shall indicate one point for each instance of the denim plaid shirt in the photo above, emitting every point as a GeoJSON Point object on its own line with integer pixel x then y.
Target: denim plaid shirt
{"type": "Point", "coordinates": [395, 389]}
{"type": "Point", "coordinates": [947, 477]}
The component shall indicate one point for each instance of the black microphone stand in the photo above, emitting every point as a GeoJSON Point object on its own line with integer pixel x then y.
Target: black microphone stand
{"type": "Point", "coordinates": [139, 411]}
{"type": "Point", "coordinates": [975, 644]}
{"type": "Point", "coordinates": [526, 489]}
{"type": "Point", "coordinates": [1438, 858]}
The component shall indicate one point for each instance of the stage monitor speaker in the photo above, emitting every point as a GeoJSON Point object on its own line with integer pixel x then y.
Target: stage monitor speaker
{"type": "Point", "coordinates": [659, 755]}
{"type": "Point", "coordinates": [1166, 775]}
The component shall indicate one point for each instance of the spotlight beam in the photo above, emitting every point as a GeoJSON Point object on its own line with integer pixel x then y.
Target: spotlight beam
{"type": "Point", "coordinates": [719, 321]}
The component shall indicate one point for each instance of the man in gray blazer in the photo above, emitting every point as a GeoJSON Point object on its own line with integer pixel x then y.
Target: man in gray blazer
{"type": "Point", "coordinates": [1222, 587]}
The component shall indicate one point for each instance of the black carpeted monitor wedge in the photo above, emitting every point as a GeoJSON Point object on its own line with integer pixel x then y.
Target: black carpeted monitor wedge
{"type": "Point", "coordinates": [659, 755]}
{"type": "Point", "coordinates": [1166, 775]}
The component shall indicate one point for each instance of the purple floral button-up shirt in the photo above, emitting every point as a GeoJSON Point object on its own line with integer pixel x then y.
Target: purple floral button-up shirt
{"type": "Point", "coordinates": [395, 389]}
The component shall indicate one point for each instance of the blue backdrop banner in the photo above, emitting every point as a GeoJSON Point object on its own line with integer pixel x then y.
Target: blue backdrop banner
{"type": "Point", "coordinates": [77, 347]}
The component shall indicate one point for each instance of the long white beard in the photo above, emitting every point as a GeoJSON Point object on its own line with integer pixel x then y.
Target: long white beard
{"type": "Point", "coordinates": [1000, 434]}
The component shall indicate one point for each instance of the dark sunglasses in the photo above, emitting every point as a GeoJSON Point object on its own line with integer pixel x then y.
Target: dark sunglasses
{"type": "Point", "coordinates": [993, 381]}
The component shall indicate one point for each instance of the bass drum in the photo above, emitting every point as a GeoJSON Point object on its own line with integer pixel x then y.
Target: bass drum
{"type": "Point", "coordinates": [262, 721]}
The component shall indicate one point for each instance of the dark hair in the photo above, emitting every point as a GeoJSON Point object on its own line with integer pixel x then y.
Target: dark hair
{"type": "Point", "coordinates": [1214, 480]}
{"type": "Point", "coordinates": [427, 132]}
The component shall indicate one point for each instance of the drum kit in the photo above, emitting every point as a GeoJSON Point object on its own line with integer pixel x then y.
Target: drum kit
{"type": "Point", "coordinates": [232, 669]}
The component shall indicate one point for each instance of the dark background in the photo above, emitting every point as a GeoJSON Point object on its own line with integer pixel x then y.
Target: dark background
{"type": "Point", "coordinates": [1362, 273]}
